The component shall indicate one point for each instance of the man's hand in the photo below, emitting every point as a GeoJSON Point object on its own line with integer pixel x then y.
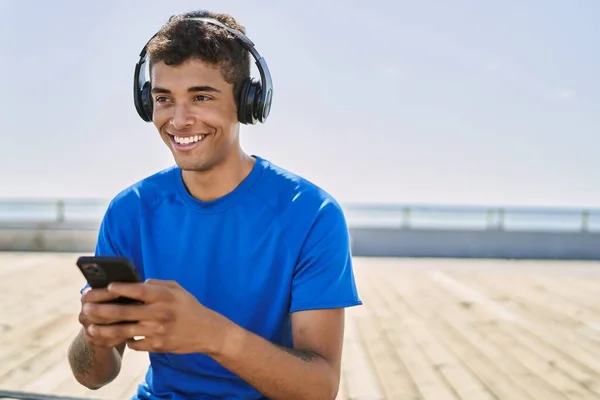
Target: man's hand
{"type": "Point", "coordinates": [166, 320]}
{"type": "Point", "coordinates": [94, 362]}
{"type": "Point", "coordinates": [89, 300]}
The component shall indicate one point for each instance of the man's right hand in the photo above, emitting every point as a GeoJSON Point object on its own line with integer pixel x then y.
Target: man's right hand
{"type": "Point", "coordinates": [94, 362]}
{"type": "Point", "coordinates": [87, 320]}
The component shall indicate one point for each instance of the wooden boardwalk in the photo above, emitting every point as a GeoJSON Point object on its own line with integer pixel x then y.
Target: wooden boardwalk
{"type": "Point", "coordinates": [429, 329]}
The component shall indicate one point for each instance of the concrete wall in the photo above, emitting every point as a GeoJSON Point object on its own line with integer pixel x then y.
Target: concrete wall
{"type": "Point", "coordinates": [49, 237]}
{"type": "Point", "coordinates": [373, 242]}
{"type": "Point", "coordinates": [381, 242]}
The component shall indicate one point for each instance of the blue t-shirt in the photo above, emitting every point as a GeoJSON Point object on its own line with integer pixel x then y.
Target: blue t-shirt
{"type": "Point", "coordinates": [275, 245]}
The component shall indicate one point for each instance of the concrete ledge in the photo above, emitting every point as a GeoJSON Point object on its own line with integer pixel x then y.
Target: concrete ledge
{"type": "Point", "coordinates": [64, 240]}
{"type": "Point", "coordinates": [366, 242]}
{"type": "Point", "coordinates": [390, 242]}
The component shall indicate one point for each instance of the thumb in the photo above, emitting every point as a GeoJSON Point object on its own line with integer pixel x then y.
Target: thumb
{"type": "Point", "coordinates": [162, 282]}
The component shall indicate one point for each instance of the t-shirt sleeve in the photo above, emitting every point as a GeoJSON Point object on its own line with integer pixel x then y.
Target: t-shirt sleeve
{"type": "Point", "coordinates": [324, 276]}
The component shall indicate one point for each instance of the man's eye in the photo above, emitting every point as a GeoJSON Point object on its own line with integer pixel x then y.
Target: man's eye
{"type": "Point", "coordinates": [202, 98]}
{"type": "Point", "coordinates": [161, 99]}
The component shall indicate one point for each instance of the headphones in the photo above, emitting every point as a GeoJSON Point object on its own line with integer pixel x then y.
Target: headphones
{"type": "Point", "coordinates": [254, 102]}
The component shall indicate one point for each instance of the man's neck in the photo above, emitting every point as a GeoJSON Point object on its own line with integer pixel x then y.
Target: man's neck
{"type": "Point", "coordinates": [219, 181]}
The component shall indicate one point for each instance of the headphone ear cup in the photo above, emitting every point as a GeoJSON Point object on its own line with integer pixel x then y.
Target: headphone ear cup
{"type": "Point", "coordinates": [146, 101]}
{"type": "Point", "coordinates": [243, 106]}
{"type": "Point", "coordinates": [248, 106]}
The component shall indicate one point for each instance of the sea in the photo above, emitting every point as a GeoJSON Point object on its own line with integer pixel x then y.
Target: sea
{"type": "Point", "coordinates": [357, 214]}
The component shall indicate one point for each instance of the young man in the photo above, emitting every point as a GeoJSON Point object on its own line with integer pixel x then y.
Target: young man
{"type": "Point", "coordinates": [246, 266]}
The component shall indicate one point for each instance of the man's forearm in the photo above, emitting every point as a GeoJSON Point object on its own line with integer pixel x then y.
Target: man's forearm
{"type": "Point", "coordinates": [93, 367]}
{"type": "Point", "coordinates": [277, 372]}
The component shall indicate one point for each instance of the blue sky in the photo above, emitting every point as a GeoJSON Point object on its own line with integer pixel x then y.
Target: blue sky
{"type": "Point", "coordinates": [463, 102]}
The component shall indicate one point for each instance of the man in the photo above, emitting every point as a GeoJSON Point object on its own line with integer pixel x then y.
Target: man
{"type": "Point", "coordinates": [246, 266]}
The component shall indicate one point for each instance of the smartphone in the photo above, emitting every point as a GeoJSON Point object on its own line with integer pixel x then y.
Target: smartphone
{"type": "Point", "coordinates": [100, 271]}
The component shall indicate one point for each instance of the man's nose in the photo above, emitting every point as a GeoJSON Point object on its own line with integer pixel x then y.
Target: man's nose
{"type": "Point", "coordinates": [182, 118]}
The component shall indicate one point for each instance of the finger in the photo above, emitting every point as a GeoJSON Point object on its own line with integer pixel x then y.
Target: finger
{"type": "Point", "coordinates": [138, 291]}
{"type": "Point", "coordinates": [149, 344]}
{"type": "Point", "coordinates": [97, 296]}
{"type": "Point", "coordinates": [113, 313]}
{"type": "Point", "coordinates": [140, 345]}
{"type": "Point", "coordinates": [83, 292]}
{"type": "Point", "coordinates": [103, 342]}
{"type": "Point", "coordinates": [84, 320]}
{"type": "Point", "coordinates": [160, 282]}
{"type": "Point", "coordinates": [118, 332]}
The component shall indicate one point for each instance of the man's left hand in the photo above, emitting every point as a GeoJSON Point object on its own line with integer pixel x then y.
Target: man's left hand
{"type": "Point", "coordinates": [170, 320]}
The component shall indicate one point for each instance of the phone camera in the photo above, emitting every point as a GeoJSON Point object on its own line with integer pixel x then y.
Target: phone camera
{"type": "Point", "coordinates": [93, 271]}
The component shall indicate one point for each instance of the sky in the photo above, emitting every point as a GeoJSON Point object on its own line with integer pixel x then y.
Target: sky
{"type": "Point", "coordinates": [421, 102]}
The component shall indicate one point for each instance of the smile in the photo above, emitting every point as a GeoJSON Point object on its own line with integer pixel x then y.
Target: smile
{"type": "Point", "coordinates": [188, 139]}
{"type": "Point", "coordinates": [187, 142]}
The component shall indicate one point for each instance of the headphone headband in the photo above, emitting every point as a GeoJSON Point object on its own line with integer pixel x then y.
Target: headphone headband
{"type": "Point", "coordinates": [254, 103]}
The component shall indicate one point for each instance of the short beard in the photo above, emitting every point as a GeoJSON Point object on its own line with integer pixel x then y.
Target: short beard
{"type": "Point", "coordinates": [204, 165]}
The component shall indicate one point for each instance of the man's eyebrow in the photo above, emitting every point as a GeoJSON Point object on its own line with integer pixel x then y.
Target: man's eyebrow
{"type": "Point", "coordinates": [191, 89]}
{"type": "Point", "coordinates": [160, 90]}
{"type": "Point", "coordinates": [203, 89]}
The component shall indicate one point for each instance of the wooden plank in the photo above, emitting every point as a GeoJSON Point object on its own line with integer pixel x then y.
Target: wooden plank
{"type": "Point", "coordinates": [504, 375]}
{"type": "Point", "coordinates": [568, 344]}
{"type": "Point", "coordinates": [341, 394]}
{"type": "Point", "coordinates": [38, 355]}
{"type": "Point", "coordinates": [462, 345]}
{"type": "Point", "coordinates": [463, 382]}
{"type": "Point", "coordinates": [504, 336]}
{"type": "Point", "coordinates": [554, 345]}
{"type": "Point", "coordinates": [426, 375]}
{"type": "Point", "coordinates": [538, 363]}
{"type": "Point", "coordinates": [13, 265]}
{"type": "Point", "coordinates": [568, 323]}
{"type": "Point", "coordinates": [361, 382]}
{"type": "Point", "coordinates": [574, 293]}
{"type": "Point", "coordinates": [391, 371]}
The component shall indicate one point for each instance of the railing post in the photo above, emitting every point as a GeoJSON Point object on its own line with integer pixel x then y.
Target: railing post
{"type": "Point", "coordinates": [500, 218]}
{"type": "Point", "coordinates": [585, 221]}
{"type": "Point", "coordinates": [60, 211]}
{"type": "Point", "coordinates": [490, 218]}
{"type": "Point", "coordinates": [406, 217]}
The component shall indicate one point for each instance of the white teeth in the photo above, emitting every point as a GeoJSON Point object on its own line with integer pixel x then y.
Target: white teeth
{"type": "Point", "coordinates": [188, 140]}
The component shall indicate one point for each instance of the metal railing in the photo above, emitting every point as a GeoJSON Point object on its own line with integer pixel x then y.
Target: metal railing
{"type": "Point", "coordinates": [474, 217]}
{"type": "Point", "coordinates": [52, 211]}
{"type": "Point", "coordinates": [65, 211]}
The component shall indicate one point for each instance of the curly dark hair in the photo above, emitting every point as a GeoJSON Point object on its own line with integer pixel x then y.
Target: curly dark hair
{"type": "Point", "coordinates": [179, 40]}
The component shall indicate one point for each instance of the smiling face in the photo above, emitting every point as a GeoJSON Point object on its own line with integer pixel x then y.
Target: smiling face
{"type": "Point", "coordinates": [195, 113]}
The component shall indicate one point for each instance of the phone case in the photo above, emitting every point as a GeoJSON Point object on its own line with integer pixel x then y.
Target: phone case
{"type": "Point", "coordinates": [100, 271]}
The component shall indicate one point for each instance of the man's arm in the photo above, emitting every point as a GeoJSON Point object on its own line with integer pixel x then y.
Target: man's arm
{"type": "Point", "coordinates": [311, 370]}
{"type": "Point", "coordinates": [94, 366]}
{"type": "Point", "coordinates": [323, 284]}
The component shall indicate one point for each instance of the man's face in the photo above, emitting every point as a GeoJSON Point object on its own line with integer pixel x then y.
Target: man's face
{"type": "Point", "coordinates": [195, 113]}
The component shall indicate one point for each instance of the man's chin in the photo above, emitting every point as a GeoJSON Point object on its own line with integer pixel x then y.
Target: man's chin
{"type": "Point", "coordinates": [193, 166]}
